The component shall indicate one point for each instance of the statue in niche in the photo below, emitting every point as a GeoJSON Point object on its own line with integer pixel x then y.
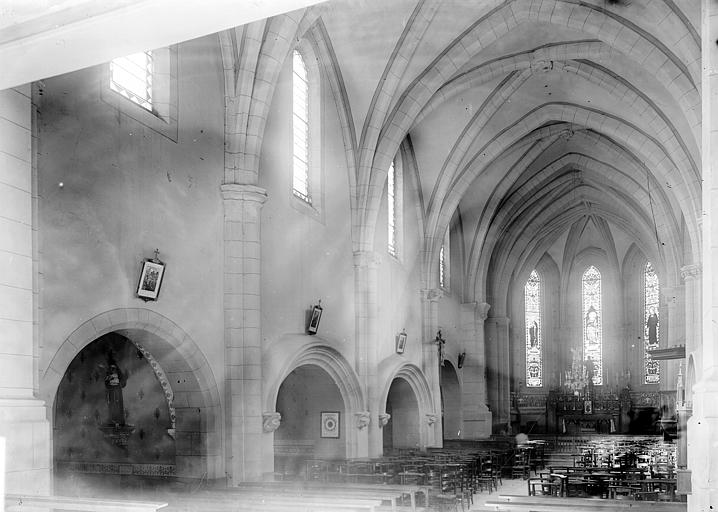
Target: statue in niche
{"type": "Point", "coordinates": [115, 380]}
{"type": "Point", "coordinates": [652, 327]}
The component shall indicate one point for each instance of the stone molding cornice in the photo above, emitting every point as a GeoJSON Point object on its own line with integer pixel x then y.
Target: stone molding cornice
{"type": "Point", "coordinates": [691, 271]}
{"type": "Point", "coordinates": [239, 192]}
{"type": "Point", "coordinates": [432, 294]}
{"type": "Point", "coordinates": [368, 259]}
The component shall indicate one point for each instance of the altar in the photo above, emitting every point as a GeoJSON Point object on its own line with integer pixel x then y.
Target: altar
{"type": "Point", "coordinates": [598, 413]}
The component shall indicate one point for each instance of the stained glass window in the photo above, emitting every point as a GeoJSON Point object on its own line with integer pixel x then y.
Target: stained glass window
{"type": "Point", "coordinates": [300, 108]}
{"type": "Point", "coordinates": [532, 310]}
{"type": "Point", "coordinates": [592, 322]}
{"type": "Point", "coordinates": [391, 199]}
{"type": "Point", "coordinates": [131, 76]}
{"type": "Point", "coordinates": [651, 325]}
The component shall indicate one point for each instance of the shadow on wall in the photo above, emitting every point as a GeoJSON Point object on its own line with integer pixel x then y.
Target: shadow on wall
{"type": "Point", "coordinates": [111, 418]}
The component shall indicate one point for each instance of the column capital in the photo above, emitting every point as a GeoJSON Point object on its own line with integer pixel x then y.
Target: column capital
{"type": "Point", "coordinates": [271, 421]}
{"type": "Point", "coordinates": [690, 272]}
{"type": "Point", "coordinates": [239, 192]}
{"type": "Point", "coordinates": [366, 259]}
{"type": "Point", "coordinates": [431, 294]}
{"type": "Point", "coordinates": [500, 320]}
{"type": "Point", "coordinates": [483, 310]}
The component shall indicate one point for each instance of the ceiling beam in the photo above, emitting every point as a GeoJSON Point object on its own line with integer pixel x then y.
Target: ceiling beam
{"type": "Point", "coordinates": [41, 39]}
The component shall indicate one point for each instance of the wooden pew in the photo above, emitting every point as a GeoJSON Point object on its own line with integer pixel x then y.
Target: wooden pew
{"type": "Point", "coordinates": [386, 492]}
{"type": "Point", "coordinates": [16, 502]}
{"type": "Point", "coordinates": [505, 503]}
{"type": "Point", "coordinates": [265, 502]}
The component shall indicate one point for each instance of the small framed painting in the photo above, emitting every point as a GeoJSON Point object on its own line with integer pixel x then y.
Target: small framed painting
{"type": "Point", "coordinates": [587, 407]}
{"type": "Point", "coordinates": [148, 287]}
{"type": "Point", "coordinates": [400, 342]}
{"type": "Point", "coordinates": [329, 424]}
{"type": "Point", "coordinates": [314, 318]}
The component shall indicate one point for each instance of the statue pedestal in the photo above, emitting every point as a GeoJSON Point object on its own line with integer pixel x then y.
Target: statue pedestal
{"type": "Point", "coordinates": [118, 434]}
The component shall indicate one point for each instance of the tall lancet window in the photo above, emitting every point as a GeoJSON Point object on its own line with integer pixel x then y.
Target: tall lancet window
{"type": "Point", "coordinates": [300, 108]}
{"type": "Point", "coordinates": [651, 326]}
{"type": "Point", "coordinates": [592, 323]}
{"type": "Point", "coordinates": [532, 315]}
{"type": "Point", "coordinates": [444, 260]}
{"type": "Point", "coordinates": [391, 209]}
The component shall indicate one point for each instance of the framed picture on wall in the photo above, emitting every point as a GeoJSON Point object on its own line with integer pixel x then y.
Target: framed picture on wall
{"type": "Point", "coordinates": [587, 407]}
{"type": "Point", "coordinates": [400, 342]}
{"type": "Point", "coordinates": [329, 424]}
{"type": "Point", "coordinates": [151, 274]}
{"type": "Point", "coordinates": [314, 318]}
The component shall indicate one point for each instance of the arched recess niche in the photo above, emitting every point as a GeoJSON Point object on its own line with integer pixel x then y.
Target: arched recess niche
{"type": "Point", "coordinates": [452, 417]}
{"type": "Point", "coordinates": [412, 379]}
{"type": "Point", "coordinates": [297, 353]}
{"type": "Point", "coordinates": [195, 394]}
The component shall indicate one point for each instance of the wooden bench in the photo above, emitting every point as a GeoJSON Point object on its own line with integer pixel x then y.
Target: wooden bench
{"type": "Point", "coordinates": [16, 502]}
{"type": "Point", "coordinates": [505, 503]}
{"type": "Point", "coordinates": [386, 492]}
{"type": "Point", "coordinates": [264, 501]}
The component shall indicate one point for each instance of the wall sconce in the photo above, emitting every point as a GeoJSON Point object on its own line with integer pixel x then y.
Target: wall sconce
{"type": "Point", "coordinates": [151, 274]}
{"type": "Point", "coordinates": [462, 357]}
{"type": "Point", "coordinates": [401, 342]}
{"type": "Point", "coordinates": [314, 318]}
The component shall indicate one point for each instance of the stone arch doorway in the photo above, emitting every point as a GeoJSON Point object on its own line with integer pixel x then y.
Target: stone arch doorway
{"type": "Point", "coordinates": [450, 401]}
{"type": "Point", "coordinates": [314, 421]}
{"type": "Point", "coordinates": [403, 430]}
{"type": "Point", "coordinates": [114, 421]}
{"type": "Point", "coordinates": [188, 379]}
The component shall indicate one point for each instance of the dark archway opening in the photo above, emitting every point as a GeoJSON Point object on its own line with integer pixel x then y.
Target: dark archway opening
{"type": "Point", "coordinates": [112, 423]}
{"type": "Point", "coordinates": [314, 422]}
{"type": "Point", "coordinates": [450, 402]}
{"type": "Point", "coordinates": [402, 430]}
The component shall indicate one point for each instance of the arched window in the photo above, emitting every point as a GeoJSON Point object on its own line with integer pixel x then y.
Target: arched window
{"type": "Point", "coordinates": [651, 325]}
{"type": "Point", "coordinates": [592, 322]}
{"type": "Point", "coordinates": [444, 259]}
{"type": "Point", "coordinates": [534, 334]}
{"type": "Point", "coordinates": [300, 125]}
{"type": "Point", "coordinates": [391, 209]}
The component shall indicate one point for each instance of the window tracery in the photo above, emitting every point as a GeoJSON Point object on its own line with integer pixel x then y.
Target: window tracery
{"type": "Point", "coordinates": [532, 317]}
{"type": "Point", "coordinates": [592, 322]}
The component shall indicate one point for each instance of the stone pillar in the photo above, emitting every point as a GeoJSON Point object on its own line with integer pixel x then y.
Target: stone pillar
{"type": "Point", "coordinates": [477, 417]}
{"type": "Point", "coordinates": [703, 425]}
{"type": "Point", "coordinates": [497, 335]}
{"type": "Point", "coordinates": [691, 275]}
{"type": "Point", "coordinates": [674, 330]}
{"type": "Point", "coordinates": [369, 440]}
{"type": "Point", "coordinates": [242, 333]}
{"type": "Point", "coordinates": [23, 418]}
{"type": "Point", "coordinates": [430, 360]}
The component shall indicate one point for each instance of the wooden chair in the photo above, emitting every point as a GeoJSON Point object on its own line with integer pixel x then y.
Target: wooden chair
{"type": "Point", "coordinates": [520, 467]}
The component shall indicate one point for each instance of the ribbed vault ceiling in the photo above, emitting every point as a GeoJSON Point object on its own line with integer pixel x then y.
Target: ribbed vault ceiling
{"type": "Point", "coordinates": [532, 118]}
